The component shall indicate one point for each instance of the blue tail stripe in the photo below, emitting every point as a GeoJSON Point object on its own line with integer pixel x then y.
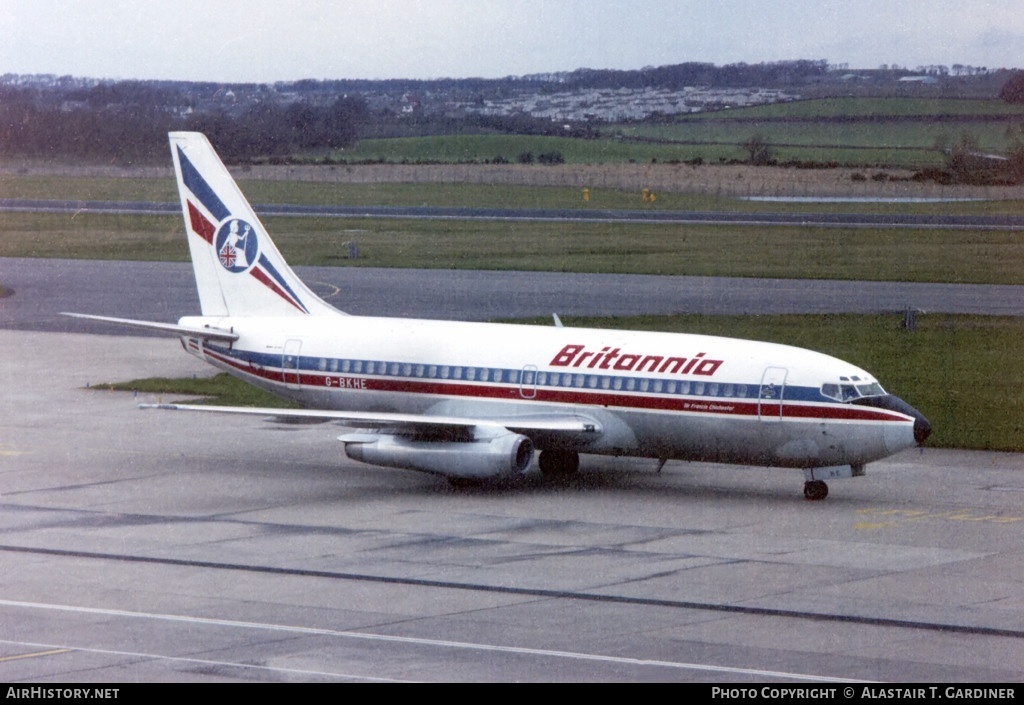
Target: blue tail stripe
{"type": "Point", "coordinates": [265, 263]}
{"type": "Point", "coordinates": [198, 186]}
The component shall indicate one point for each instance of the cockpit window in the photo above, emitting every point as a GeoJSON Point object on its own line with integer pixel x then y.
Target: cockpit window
{"type": "Point", "coordinates": [847, 391]}
{"type": "Point", "coordinates": [871, 390]}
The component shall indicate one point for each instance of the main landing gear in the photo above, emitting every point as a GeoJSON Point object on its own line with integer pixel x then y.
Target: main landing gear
{"type": "Point", "coordinates": [815, 490]}
{"type": "Point", "coordinates": [559, 463]}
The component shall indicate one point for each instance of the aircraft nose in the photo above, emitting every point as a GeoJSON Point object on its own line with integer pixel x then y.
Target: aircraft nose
{"type": "Point", "coordinates": [922, 426]}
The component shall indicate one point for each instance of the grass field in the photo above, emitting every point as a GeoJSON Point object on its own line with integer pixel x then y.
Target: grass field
{"type": "Point", "coordinates": [867, 132]}
{"type": "Point", "coordinates": [904, 147]}
{"type": "Point", "coordinates": [984, 257]}
{"type": "Point", "coordinates": [894, 132]}
{"type": "Point", "coordinates": [485, 148]}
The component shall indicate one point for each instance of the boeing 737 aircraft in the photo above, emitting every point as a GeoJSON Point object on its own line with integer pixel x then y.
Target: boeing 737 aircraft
{"type": "Point", "coordinates": [471, 401]}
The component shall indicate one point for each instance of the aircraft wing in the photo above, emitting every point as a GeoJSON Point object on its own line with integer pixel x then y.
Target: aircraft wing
{"type": "Point", "coordinates": [566, 426]}
{"type": "Point", "coordinates": [169, 328]}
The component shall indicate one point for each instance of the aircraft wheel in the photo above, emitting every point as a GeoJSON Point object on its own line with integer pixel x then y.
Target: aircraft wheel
{"type": "Point", "coordinates": [815, 490]}
{"type": "Point", "coordinates": [559, 463]}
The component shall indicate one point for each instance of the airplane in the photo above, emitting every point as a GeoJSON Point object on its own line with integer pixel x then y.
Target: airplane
{"type": "Point", "coordinates": [475, 401]}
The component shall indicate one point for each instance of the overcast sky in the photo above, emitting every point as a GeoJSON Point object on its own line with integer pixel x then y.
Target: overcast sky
{"type": "Point", "coordinates": [272, 40]}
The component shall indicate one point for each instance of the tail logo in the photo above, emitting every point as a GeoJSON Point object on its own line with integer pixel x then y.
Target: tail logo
{"type": "Point", "coordinates": [237, 245]}
{"type": "Point", "coordinates": [234, 240]}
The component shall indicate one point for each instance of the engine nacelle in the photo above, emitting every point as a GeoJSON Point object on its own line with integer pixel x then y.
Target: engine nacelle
{"type": "Point", "coordinates": [478, 459]}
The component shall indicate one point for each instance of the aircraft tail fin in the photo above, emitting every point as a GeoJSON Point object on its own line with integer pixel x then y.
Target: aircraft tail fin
{"type": "Point", "coordinates": [239, 271]}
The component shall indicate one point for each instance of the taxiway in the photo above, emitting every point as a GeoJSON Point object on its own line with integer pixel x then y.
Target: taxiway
{"type": "Point", "coordinates": [149, 546]}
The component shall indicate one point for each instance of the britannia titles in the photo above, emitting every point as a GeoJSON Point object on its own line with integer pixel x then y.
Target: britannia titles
{"type": "Point", "coordinates": [614, 359]}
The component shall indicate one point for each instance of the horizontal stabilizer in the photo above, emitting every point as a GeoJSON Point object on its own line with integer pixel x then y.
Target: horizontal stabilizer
{"type": "Point", "coordinates": [168, 328]}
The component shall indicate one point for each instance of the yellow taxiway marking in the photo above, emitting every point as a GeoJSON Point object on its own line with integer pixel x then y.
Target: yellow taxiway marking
{"type": "Point", "coordinates": [896, 516]}
{"type": "Point", "coordinates": [51, 652]}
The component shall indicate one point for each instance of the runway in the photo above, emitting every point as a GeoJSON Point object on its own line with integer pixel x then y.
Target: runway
{"type": "Point", "coordinates": [599, 215]}
{"type": "Point", "coordinates": [165, 291]}
{"type": "Point", "coordinates": [148, 546]}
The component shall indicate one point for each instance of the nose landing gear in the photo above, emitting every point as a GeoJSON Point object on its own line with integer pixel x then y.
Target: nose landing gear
{"type": "Point", "coordinates": [815, 490]}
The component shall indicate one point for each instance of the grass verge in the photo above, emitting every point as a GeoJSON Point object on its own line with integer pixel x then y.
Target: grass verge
{"type": "Point", "coordinates": [221, 389]}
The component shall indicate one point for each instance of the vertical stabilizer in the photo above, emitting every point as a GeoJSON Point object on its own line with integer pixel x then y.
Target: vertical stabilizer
{"type": "Point", "coordinates": [239, 271]}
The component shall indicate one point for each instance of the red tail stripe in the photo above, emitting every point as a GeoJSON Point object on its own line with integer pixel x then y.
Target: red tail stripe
{"type": "Point", "coordinates": [202, 227]}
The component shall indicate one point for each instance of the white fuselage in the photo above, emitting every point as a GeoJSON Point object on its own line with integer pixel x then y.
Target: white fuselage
{"type": "Point", "coordinates": [658, 395]}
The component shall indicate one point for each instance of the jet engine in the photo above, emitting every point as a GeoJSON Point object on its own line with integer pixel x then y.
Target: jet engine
{"type": "Point", "coordinates": [473, 458]}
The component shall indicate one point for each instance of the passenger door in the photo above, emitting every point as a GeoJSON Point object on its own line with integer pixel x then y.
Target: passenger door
{"type": "Point", "coordinates": [770, 395]}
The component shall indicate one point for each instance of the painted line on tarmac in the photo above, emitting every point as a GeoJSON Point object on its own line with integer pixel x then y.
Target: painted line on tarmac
{"type": "Point", "coordinates": [418, 641]}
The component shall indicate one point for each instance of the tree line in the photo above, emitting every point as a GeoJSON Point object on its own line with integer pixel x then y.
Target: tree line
{"type": "Point", "coordinates": [102, 125]}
